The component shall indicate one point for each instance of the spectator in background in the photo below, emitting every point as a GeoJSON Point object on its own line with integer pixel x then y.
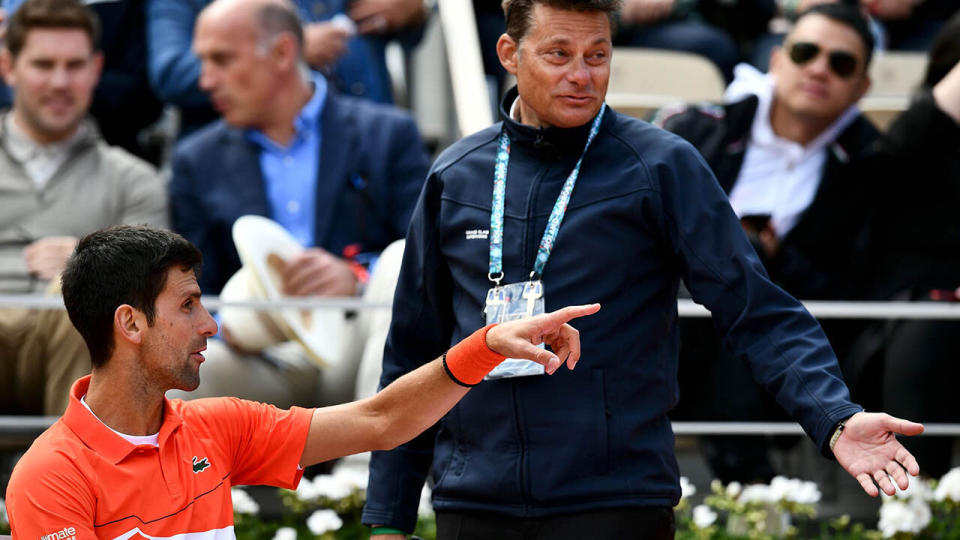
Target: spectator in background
{"type": "Point", "coordinates": [351, 51]}
{"type": "Point", "coordinates": [123, 102]}
{"type": "Point", "coordinates": [341, 174]}
{"type": "Point", "coordinates": [904, 25]}
{"type": "Point", "coordinates": [58, 181]}
{"type": "Point", "coordinates": [786, 150]}
{"type": "Point", "coordinates": [915, 255]}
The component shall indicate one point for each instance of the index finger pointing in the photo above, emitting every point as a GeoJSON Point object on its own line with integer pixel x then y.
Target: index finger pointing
{"type": "Point", "coordinates": [556, 319]}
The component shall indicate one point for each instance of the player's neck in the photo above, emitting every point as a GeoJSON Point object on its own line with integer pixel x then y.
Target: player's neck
{"type": "Point", "coordinates": [123, 403]}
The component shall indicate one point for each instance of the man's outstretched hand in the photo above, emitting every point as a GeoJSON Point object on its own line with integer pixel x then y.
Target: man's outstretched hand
{"type": "Point", "coordinates": [519, 339]}
{"type": "Point", "coordinates": [869, 450]}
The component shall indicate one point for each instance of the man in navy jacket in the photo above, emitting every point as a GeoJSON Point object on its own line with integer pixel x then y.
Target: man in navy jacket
{"type": "Point", "coordinates": [339, 173]}
{"type": "Point", "coordinates": [590, 454]}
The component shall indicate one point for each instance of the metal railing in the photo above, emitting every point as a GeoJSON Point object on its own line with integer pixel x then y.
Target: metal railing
{"type": "Point", "coordinates": [15, 429]}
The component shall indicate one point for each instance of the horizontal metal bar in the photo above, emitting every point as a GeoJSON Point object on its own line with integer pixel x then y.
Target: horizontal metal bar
{"type": "Point", "coordinates": [686, 308]}
{"type": "Point", "coordinates": [781, 428]}
{"type": "Point", "coordinates": [34, 425]}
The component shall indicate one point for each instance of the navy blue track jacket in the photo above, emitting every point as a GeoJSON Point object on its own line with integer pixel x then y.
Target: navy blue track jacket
{"type": "Point", "coordinates": [646, 211]}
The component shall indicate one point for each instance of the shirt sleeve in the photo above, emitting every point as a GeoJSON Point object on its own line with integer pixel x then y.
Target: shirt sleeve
{"type": "Point", "coordinates": [266, 442]}
{"type": "Point", "coordinates": [47, 498]}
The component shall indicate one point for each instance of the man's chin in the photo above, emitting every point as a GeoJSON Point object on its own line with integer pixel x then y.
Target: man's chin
{"type": "Point", "coordinates": [188, 383]}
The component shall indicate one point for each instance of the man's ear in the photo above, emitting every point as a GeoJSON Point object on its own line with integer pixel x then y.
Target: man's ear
{"type": "Point", "coordinates": [6, 67]}
{"type": "Point", "coordinates": [775, 54]}
{"type": "Point", "coordinates": [129, 324]}
{"type": "Point", "coordinates": [284, 50]}
{"type": "Point", "coordinates": [508, 51]}
{"type": "Point", "coordinates": [98, 63]}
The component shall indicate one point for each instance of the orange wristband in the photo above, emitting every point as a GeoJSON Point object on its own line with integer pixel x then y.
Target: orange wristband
{"type": "Point", "coordinates": [469, 361]}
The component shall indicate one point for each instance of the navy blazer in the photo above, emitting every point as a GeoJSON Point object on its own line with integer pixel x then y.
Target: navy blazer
{"type": "Point", "coordinates": [372, 165]}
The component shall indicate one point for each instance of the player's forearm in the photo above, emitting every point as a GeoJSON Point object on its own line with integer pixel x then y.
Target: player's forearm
{"type": "Point", "coordinates": [413, 403]}
{"type": "Point", "coordinates": [417, 400]}
{"type": "Point", "coordinates": [399, 412]}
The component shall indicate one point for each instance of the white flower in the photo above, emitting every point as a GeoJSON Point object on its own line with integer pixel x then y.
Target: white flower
{"type": "Point", "coordinates": [324, 520]}
{"type": "Point", "coordinates": [285, 533]}
{"type": "Point", "coordinates": [909, 517]}
{"type": "Point", "coordinates": [332, 487]}
{"type": "Point", "coordinates": [703, 516]}
{"type": "Point", "coordinates": [306, 490]}
{"type": "Point", "coordinates": [805, 493]}
{"type": "Point", "coordinates": [949, 486]}
{"type": "Point", "coordinates": [686, 488]}
{"type": "Point", "coordinates": [426, 506]}
{"type": "Point", "coordinates": [354, 477]}
{"type": "Point", "coordinates": [733, 489]}
{"type": "Point", "coordinates": [755, 493]}
{"type": "Point", "coordinates": [917, 489]}
{"type": "Point", "coordinates": [243, 503]}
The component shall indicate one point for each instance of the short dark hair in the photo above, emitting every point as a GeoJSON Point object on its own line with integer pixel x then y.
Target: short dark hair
{"type": "Point", "coordinates": [123, 264]}
{"type": "Point", "coordinates": [519, 13]}
{"type": "Point", "coordinates": [276, 19]}
{"type": "Point", "coordinates": [849, 15]}
{"type": "Point", "coordinates": [32, 14]}
{"type": "Point", "coordinates": [945, 52]}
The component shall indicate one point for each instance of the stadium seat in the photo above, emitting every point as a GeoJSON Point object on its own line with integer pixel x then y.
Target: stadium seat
{"type": "Point", "coordinates": [643, 80]}
{"type": "Point", "coordinates": [894, 77]}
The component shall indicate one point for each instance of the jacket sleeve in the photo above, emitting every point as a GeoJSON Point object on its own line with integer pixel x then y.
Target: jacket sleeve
{"type": "Point", "coordinates": [783, 344]}
{"type": "Point", "coordinates": [173, 68]}
{"type": "Point", "coordinates": [420, 330]}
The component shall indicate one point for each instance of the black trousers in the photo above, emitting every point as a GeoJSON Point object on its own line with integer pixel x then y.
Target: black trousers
{"type": "Point", "coordinates": [654, 523]}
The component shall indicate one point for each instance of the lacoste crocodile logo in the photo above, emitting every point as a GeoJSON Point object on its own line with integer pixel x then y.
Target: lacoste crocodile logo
{"type": "Point", "coordinates": [199, 466]}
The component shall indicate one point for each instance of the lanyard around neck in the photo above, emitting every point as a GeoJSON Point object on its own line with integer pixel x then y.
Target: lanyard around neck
{"type": "Point", "coordinates": [556, 215]}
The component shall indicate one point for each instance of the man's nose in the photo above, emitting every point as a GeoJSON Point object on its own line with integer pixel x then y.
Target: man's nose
{"type": "Point", "coordinates": [60, 77]}
{"type": "Point", "coordinates": [208, 326]}
{"type": "Point", "coordinates": [206, 81]}
{"type": "Point", "coordinates": [579, 72]}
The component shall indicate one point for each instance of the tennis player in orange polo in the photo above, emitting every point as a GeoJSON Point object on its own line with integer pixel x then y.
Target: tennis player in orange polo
{"type": "Point", "coordinates": [125, 462]}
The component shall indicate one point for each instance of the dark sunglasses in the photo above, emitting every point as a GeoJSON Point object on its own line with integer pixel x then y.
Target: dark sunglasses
{"type": "Point", "coordinates": [842, 63]}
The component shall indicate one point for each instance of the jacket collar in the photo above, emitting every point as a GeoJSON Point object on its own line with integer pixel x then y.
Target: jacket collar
{"type": "Point", "coordinates": [551, 140]}
{"type": "Point", "coordinates": [100, 438]}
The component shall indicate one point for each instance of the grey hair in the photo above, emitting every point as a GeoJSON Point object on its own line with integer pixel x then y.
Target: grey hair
{"type": "Point", "coordinates": [274, 19]}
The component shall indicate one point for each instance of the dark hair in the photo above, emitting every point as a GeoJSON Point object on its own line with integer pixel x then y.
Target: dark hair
{"type": "Point", "coordinates": [34, 14]}
{"type": "Point", "coordinates": [123, 264]}
{"type": "Point", "coordinates": [945, 52]}
{"type": "Point", "coordinates": [849, 15]}
{"type": "Point", "coordinates": [519, 13]}
{"type": "Point", "coordinates": [275, 19]}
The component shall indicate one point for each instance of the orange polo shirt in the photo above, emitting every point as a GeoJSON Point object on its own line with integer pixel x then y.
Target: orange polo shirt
{"type": "Point", "coordinates": [81, 480]}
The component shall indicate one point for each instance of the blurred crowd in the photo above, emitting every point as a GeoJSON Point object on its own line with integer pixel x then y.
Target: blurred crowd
{"type": "Point", "coordinates": [295, 119]}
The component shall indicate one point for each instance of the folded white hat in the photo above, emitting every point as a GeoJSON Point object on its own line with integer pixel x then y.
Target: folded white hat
{"type": "Point", "coordinates": [263, 246]}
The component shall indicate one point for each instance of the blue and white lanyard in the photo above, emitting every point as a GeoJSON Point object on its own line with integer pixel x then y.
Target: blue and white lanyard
{"type": "Point", "coordinates": [556, 215]}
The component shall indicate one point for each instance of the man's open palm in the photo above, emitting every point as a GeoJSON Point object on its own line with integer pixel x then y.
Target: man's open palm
{"type": "Point", "coordinates": [869, 450]}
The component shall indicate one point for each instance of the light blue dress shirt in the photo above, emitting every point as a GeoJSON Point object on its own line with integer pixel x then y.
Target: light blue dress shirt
{"type": "Point", "coordinates": [290, 172]}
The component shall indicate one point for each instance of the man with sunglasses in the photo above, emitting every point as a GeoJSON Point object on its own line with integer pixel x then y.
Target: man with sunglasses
{"type": "Point", "coordinates": [786, 149]}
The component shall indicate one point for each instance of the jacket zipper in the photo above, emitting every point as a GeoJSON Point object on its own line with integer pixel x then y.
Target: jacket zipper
{"type": "Point", "coordinates": [523, 473]}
